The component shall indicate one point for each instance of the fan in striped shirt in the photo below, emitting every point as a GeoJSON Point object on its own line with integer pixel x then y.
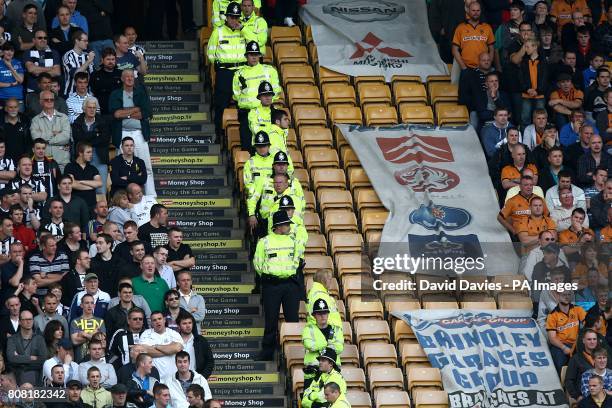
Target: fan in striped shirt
{"type": "Point", "coordinates": [24, 176]}
{"type": "Point", "coordinates": [77, 60]}
{"type": "Point", "coordinates": [55, 223]}
{"type": "Point", "coordinates": [123, 338]}
{"type": "Point", "coordinates": [7, 167]}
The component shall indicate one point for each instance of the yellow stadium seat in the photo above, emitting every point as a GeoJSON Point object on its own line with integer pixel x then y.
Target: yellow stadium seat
{"type": "Point", "coordinates": [315, 262]}
{"type": "Point", "coordinates": [373, 220]}
{"type": "Point", "coordinates": [230, 118]}
{"type": "Point", "coordinates": [435, 305]}
{"type": "Point", "coordinates": [292, 139]}
{"type": "Point", "coordinates": [240, 158]}
{"type": "Point", "coordinates": [313, 54]}
{"type": "Point", "coordinates": [379, 354]}
{"type": "Point", "coordinates": [355, 378]}
{"type": "Point", "coordinates": [369, 79]}
{"type": "Point", "coordinates": [350, 356]}
{"type": "Point", "coordinates": [340, 220]}
{"type": "Point", "coordinates": [523, 303]}
{"type": "Point", "coordinates": [328, 76]}
{"type": "Point", "coordinates": [366, 308]}
{"type": "Point", "coordinates": [297, 74]}
{"type": "Point", "coordinates": [338, 94]}
{"type": "Point", "coordinates": [452, 115]}
{"type": "Point", "coordinates": [303, 177]}
{"type": "Point", "coordinates": [402, 331]}
{"type": "Point", "coordinates": [424, 377]}
{"type": "Point", "coordinates": [328, 178]}
{"type": "Point", "coordinates": [312, 222]}
{"type": "Point", "coordinates": [321, 157]}
{"type": "Point", "coordinates": [386, 377]}
{"type": "Point", "coordinates": [345, 114]}
{"type": "Point", "coordinates": [349, 158]}
{"type": "Point", "coordinates": [380, 115]}
{"type": "Point", "coordinates": [341, 309]}
{"type": "Point", "coordinates": [506, 283]}
{"type": "Point", "coordinates": [350, 264]}
{"type": "Point", "coordinates": [358, 399]}
{"type": "Point", "coordinates": [315, 136]}
{"type": "Point", "coordinates": [296, 157]}
{"type": "Point", "coordinates": [268, 56]}
{"type": "Point", "coordinates": [303, 94]}
{"type": "Point", "coordinates": [348, 332]}
{"type": "Point", "coordinates": [358, 178]}
{"type": "Point", "coordinates": [294, 356]}
{"type": "Point", "coordinates": [372, 329]}
{"type": "Point", "coordinates": [355, 285]}
{"type": "Point", "coordinates": [281, 102]}
{"type": "Point", "coordinates": [309, 115]}
{"type": "Point", "coordinates": [366, 198]}
{"type": "Point", "coordinates": [417, 114]}
{"type": "Point", "coordinates": [438, 78]}
{"type": "Point", "coordinates": [413, 353]}
{"type": "Point", "coordinates": [233, 137]}
{"type": "Point", "coordinates": [291, 332]}
{"type": "Point", "coordinates": [279, 34]}
{"type": "Point", "coordinates": [311, 201]}
{"type": "Point", "coordinates": [335, 199]}
{"type": "Point", "coordinates": [308, 34]}
{"type": "Point", "coordinates": [400, 306]}
{"type": "Point", "coordinates": [374, 94]}
{"type": "Point", "coordinates": [290, 54]}
{"type": "Point", "coordinates": [409, 92]}
{"type": "Point", "coordinates": [392, 399]}
{"type": "Point", "coordinates": [316, 244]}
{"type": "Point", "coordinates": [396, 79]}
{"type": "Point", "coordinates": [344, 242]}
{"type": "Point", "coordinates": [442, 92]}
{"type": "Point", "coordinates": [430, 399]}
{"type": "Point", "coordinates": [297, 381]}
{"type": "Point", "coordinates": [479, 305]}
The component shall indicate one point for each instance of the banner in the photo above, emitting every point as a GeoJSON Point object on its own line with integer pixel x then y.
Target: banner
{"type": "Point", "coordinates": [489, 359]}
{"type": "Point", "coordinates": [442, 204]}
{"type": "Point", "coordinates": [373, 37]}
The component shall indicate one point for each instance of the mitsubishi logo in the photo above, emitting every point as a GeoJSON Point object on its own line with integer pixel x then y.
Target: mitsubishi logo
{"type": "Point", "coordinates": [371, 43]}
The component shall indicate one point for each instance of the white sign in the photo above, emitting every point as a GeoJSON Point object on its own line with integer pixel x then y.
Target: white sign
{"type": "Point", "coordinates": [373, 37]}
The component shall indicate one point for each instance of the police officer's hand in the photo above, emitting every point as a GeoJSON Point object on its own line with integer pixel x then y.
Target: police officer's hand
{"type": "Point", "coordinates": [252, 222]}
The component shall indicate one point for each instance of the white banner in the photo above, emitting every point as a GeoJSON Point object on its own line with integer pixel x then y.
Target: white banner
{"type": "Point", "coordinates": [373, 37]}
{"type": "Point", "coordinates": [436, 186]}
{"type": "Point", "coordinates": [489, 358]}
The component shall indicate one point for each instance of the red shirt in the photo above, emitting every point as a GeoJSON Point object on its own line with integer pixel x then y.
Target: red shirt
{"type": "Point", "coordinates": [26, 236]}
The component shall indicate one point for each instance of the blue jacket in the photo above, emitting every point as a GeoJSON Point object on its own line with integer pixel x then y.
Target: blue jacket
{"type": "Point", "coordinates": [491, 137]}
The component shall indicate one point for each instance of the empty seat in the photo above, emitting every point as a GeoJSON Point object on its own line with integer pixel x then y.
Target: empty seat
{"type": "Point", "coordinates": [417, 114]}
{"type": "Point", "coordinates": [395, 79]}
{"type": "Point", "coordinates": [290, 54]}
{"type": "Point", "coordinates": [402, 331]}
{"type": "Point", "coordinates": [382, 354]}
{"type": "Point", "coordinates": [240, 158]}
{"type": "Point", "coordinates": [386, 377]}
{"type": "Point", "coordinates": [438, 78]}
{"type": "Point", "coordinates": [296, 158]}
{"type": "Point", "coordinates": [352, 264]}
{"type": "Point", "coordinates": [380, 115]}
{"type": "Point", "coordinates": [303, 177]}
{"type": "Point", "coordinates": [268, 56]}
{"type": "Point", "coordinates": [345, 114]}
{"type": "Point", "coordinates": [230, 118]}
{"type": "Point", "coordinates": [442, 92]}
{"type": "Point", "coordinates": [349, 158]}
{"type": "Point", "coordinates": [358, 399]}
{"type": "Point", "coordinates": [313, 54]}
{"type": "Point", "coordinates": [372, 329]}
{"type": "Point", "coordinates": [297, 74]}
{"type": "Point", "coordinates": [409, 92]}
{"type": "Point", "coordinates": [349, 356]}
{"type": "Point", "coordinates": [335, 199]}
{"type": "Point", "coordinates": [314, 262]}
{"type": "Point", "coordinates": [292, 139]}
{"type": "Point", "coordinates": [452, 115]}
{"type": "Point", "coordinates": [327, 76]}
{"type": "Point", "coordinates": [518, 303]}
{"type": "Point", "coordinates": [303, 94]}
{"type": "Point", "coordinates": [400, 306]}
{"type": "Point", "coordinates": [507, 282]}
{"type": "Point", "coordinates": [338, 93]}
{"type": "Point", "coordinates": [412, 353]}
{"type": "Point", "coordinates": [297, 381]}
{"type": "Point", "coordinates": [355, 378]}
{"type": "Point", "coordinates": [358, 178]}
{"type": "Point", "coordinates": [346, 242]}
{"type": "Point", "coordinates": [348, 332]}
{"type": "Point", "coordinates": [309, 115]}
{"type": "Point", "coordinates": [311, 201]}
{"type": "Point", "coordinates": [424, 377]}
{"type": "Point", "coordinates": [340, 221]}
{"type": "Point", "coordinates": [356, 286]}
{"type": "Point", "coordinates": [367, 198]}
{"type": "Point", "coordinates": [312, 222]}
{"type": "Point", "coordinates": [377, 79]}
{"type": "Point", "coordinates": [373, 221]}
{"type": "Point", "coordinates": [294, 356]}
{"type": "Point", "coordinates": [365, 308]}
{"type": "Point", "coordinates": [430, 399]}
{"type": "Point", "coordinates": [435, 305]}
{"type": "Point", "coordinates": [374, 94]}
{"type": "Point", "coordinates": [291, 332]}
{"type": "Point", "coordinates": [328, 178]}
{"type": "Point", "coordinates": [479, 305]}
{"type": "Point", "coordinates": [322, 157]}
{"type": "Point", "coordinates": [279, 34]}
{"type": "Point", "coordinates": [392, 399]}
{"type": "Point", "coordinates": [315, 136]}
{"type": "Point", "coordinates": [316, 244]}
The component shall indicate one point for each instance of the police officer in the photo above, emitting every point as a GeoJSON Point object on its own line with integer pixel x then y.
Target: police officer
{"type": "Point", "coordinates": [225, 51]}
{"type": "Point", "coordinates": [246, 85]}
{"type": "Point", "coordinates": [318, 336]}
{"type": "Point", "coordinates": [278, 130]}
{"type": "Point", "coordinates": [260, 164]}
{"type": "Point", "coordinates": [220, 6]}
{"type": "Point", "coordinates": [280, 187]}
{"type": "Point", "coordinates": [319, 290]}
{"type": "Point", "coordinates": [276, 262]}
{"type": "Point", "coordinates": [255, 27]}
{"type": "Point", "coordinates": [314, 396]}
{"type": "Point", "coordinates": [260, 117]}
{"type": "Point", "coordinates": [334, 398]}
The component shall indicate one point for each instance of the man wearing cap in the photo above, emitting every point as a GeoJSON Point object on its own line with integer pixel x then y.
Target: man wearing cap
{"type": "Point", "coordinates": [254, 27]}
{"type": "Point", "coordinates": [319, 290]}
{"type": "Point", "coordinates": [101, 298]}
{"type": "Point", "coordinates": [119, 396]}
{"type": "Point", "coordinates": [318, 336]}
{"type": "Point", "coordinates": [260, 164]}
{"type": "Point", "coordinates": [246, 88]}
{"type": "Point", "coordinates": [226, 52]}
{"type": "Point", "coordinates": [260, 117]}
{"type": "Point", "coordinates": [74, 389]}
{"type": "Point", "coordinates": [218, 11]}
{"type": "Point", "coordinates": [63, 356]}
{"type": "Point", "coordinates": [329, 372]}
{"type": "Point", "coordinates": [276, 261]}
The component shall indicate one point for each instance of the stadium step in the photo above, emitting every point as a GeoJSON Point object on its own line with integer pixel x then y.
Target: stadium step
{"type": "Point", "coordinates": [191, 178]}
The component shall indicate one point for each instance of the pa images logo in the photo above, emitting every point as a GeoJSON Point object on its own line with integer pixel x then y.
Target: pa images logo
{"type": "Point", "coordinates": [363, 11]}
{"type": "Point", "coordinates": [434, 217]}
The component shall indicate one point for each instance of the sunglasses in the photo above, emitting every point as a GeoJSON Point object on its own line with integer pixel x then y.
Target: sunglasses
{"type": "Point", "coordinates": [41, 38]}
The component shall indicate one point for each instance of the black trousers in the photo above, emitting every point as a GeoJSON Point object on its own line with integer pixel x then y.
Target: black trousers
{"type": "Point", "coordinates": [274, 293]}
{"type": "Point", "coordinates": [222, 95]}
{"type": "Point", "coordinates": [245, 132]}
{"type": "Point", "coordinates": [172, 16]}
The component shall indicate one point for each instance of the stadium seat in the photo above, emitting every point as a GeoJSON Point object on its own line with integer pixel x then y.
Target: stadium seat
{"type": "Point", "coordinates": [437, 305]}
{"type": "Point", "coordinates": [385, 377]}
{"type": "Point", "coordinates": [294, 356]}
{"type": "Point", "coordinates": [395, 79]}
{"type": "Point", "coordinates": [328, 178]}
{"type": "Point", "coordinates": [317, 157]}
{"type": "Point", "coordinates": [380, 116]}
{"type": "Point", "coordinates": [417, 114]}
{"type": "Point", "coordinates": [335, 94]}
{"type": "Point", "coordinates": [312, 222]}
{"type": "Point", "coordinates": [430, 399]}
{"type": "Point", "coordinates": [345, 114]}
{"type": "Point", "coordinates": [518, 303]}
{"type": "Point", "coordinates": [351, 264]}
{"type": "Point", "coordinates": [296, 157]}
{"type": "Point", "coordinates": [372, 221]}
{"type": "Point", "coordinates": [392, 399]}
{"type": "Point", "coordinates": [314, 262]}
{"type": "Point", "coordinates": [366, 198]}
{"type": "Point", "coordinates": [343, 243]}
{"type": "Point", "coordinates": [479, 305]}
{"type": "Point", "coordinates": [329, 76]}
{"type": "Point", "coordinates": [290, 54]}
{"type": "Point", "coordinates": [438, 78]}
{"type": "Point", "coordinates": [374, 94]}
{"type": "Point", "coordinates": [358, 179]}
{"type": "Point", "coordinates": [349, 158]}
{"type": "Point", "coordinates": [315, 137]}
{"type": "Point", "coordinates": [348, 332]}
{"type": "Point", "coordinates": [303, 94]}
{"type": "Point", "coordinates": [308, 34]}
{"type": "Point", "coordinates": [309, 115]}
{"type": "Point", "coordinates": [341, 309]}
{"type": "Point", "coordinates": [279, 34]}
{"type": "Point", "coordinates": [233, 138]}
{"type": "Point", "coordinates": [230, 118]}
{"type": "Point", "coordinates": [377, 79]}
{"type": "Point", "coordinates": [311, 201]}
{"type": "Point", "coordinates": [357, 286]}
{"type": "Point", "coordinates": [335, 199]}
{"type": "Point", "coordinates": [292, 139]}
{"type": "Point", "coordinates": [303, 177]}
{"type": "Point", "coordinates": [240, 158]}
{"type": "Point", "coordinates": [268, 56]}
{"type": "Point", "coordinates": [372, 330]}
{"type": "Point", "coordinates": [291, 333]}
{"type": "Point", "coordinates": [382, 354]}
{"type": "Point", "coordinates": [451, 115]}
{"type": "Point", "coordinates": [297, 381]}
{"type": "Point", "coordinates": [355, 378]}
{"type": "Point", "coordinates": [313, 54]}
{"type": "Point", "coordinates": [349, 356]}
{"type": "Point", "coordinates": [297, 74]}
{"type": "Point", "coordinates": [421, 377]}
{"type": "Point", "coordinates": [413, 355]}
{"type": "Point", "coordinates": [316, 244]}
{"type": "Point", "coordinates": [333, 287]}
{"type": "Point", "coordinates": [358, 399]}
{"type": "Point", "coordinates": [442, 92]}
{"type": "Point", "coordinates": [400, 306]}
{"type": "Point", "coordinates": [410, 93]}
{"type": "Point", "coordinates": [402, 333]}
{"type": "Point", "coordinates": [365, 308]}
{"type": "Point", "coordinates": [506, 282]}
{"type": "Point", "coordinates": [339, 221]}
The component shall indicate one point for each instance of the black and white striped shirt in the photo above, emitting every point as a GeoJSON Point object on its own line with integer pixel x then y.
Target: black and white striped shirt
{"type": "Point", "coordinates": [57, 230]}
{"type": "Point", "coordinates": [134, 48]}
{"type": "Point", "coordinates": [6, 164]}
{"type": "Point", "coordinates": [70, 63]}
{"type": "Point", "coordinates": [46, 58]}
{"type": "Point", "coordinates": [5, 245]}
{"type": "Point", "coordinates": [36, 184]}
{"type": "Point", "coordinates": [120, 346]}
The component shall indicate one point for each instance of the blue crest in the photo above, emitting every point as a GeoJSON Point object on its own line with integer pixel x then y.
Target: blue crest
{"type": "Point", "coordinates": [434, 217]}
